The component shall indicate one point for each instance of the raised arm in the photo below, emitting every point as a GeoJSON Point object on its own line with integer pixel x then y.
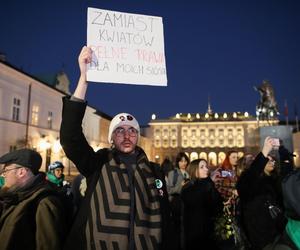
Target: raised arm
{"type": "Point", "coordinates": [249, 178]}
{"type": "Point", "coordinates": [72, 138]}
{"type": "Point", "coordinates": [84, 58]}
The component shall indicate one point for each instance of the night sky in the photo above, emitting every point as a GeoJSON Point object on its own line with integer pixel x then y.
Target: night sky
{"type": "Point", "coordinates": [213, 48]}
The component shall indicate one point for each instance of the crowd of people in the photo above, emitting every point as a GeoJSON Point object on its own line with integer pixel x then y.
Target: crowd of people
{"type": "Point", "coordinates": [121, 200]}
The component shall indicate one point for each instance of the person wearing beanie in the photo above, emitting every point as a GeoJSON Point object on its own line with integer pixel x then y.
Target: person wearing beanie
{"type": "Point", "coordinates": [31, 213]}
{"type": "Point", "coordinates": [126, 203]}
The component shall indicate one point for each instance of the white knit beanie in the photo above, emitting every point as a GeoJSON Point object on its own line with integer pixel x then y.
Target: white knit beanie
{"type": "Point", "coordinates": [120, 120]}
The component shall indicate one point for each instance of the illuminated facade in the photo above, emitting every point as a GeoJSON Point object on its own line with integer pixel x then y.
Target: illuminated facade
{"type": "Point", "coordinates": [208, 135]}
{"type": "Point", "coordinates": [30, 116]}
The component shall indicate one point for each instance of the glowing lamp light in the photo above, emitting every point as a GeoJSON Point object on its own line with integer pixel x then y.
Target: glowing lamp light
{"type": "Point", "coordinates": [197, 116]}
{"type": "Point", "coordinates": [44, 144]}
{"type": "Point", "coordinates": [246, 114]}
{"type": "Point", "coordinates": [153, 117]}
{"type": "Point", "coordinates": [224, 115]}
{"type": "Point", "coordinates": [56, 147]}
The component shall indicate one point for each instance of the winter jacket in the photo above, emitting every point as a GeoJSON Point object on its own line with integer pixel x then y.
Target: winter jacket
{"type": "Point", "coordinates": [32, 217]}
{"type": "Point", "coordinates": [123, 204]}
{"type": "Point", "coordinates": [201, 203]}
{"type": "Point", "coordinates": [258, 193]}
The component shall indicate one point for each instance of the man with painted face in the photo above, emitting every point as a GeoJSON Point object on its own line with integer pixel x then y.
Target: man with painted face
{"type": "Point", "coordinates": [126, 203]}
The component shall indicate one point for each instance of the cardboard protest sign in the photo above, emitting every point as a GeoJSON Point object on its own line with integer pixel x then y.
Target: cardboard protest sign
{"type": "Point", "coordinates": [127, 48]}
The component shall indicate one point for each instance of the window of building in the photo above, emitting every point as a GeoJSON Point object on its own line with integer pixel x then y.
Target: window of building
{"type": "Point", "coordinates": [212, 159]}
{"type": "Point", "coordinates": [16, 109]}
{"type": "Point", "coordinates": [221, 157]}
{"type": "Point", "coordinates": [12, 148]}
{"type": "Point", "coordinates": [165, 143]}
{"type": "Point", "coordinates": [221, 141]}
{"type": "Point", "coordinates": [35, 115]}
{"type": "Point", "coordinates": [203, 155]}
{"type": "Point", "coordinates": [211, 132]}
{"type": "Point", "coordinates": [157, 143]}
{"type": "Point", "coordinates": [193, 132]}
{"type": "Point", "coordinates": [50, 119]}
{"type": "Point", "coordinates": [174, 143]}
{"type": "Point", "coordinates": [194, 156]}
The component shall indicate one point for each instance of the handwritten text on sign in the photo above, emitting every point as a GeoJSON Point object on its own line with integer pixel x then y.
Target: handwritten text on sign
{"type": "Point", "coordinates": [127, 48]}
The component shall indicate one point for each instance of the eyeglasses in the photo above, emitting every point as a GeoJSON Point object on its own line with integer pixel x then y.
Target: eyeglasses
{"type": "Point", "coordinates": [4, 171]}
{"type": "Point", "coordinates": [120, 132]}
{"type": "Point", "coordinates": [123, 118]}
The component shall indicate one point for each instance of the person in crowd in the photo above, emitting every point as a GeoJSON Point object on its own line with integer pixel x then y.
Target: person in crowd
{"type": "Point", "coordinates": [31, 213]}
{"type": "Point", "coordinates": [286, 160]}
{"type": "Point", "coordinates": [56, 175]}
{"type": "Point", "coordinates": [1, 181]}
{"type": "Point", "coordinates": [291, 199]}
{"type": "Point", "coordinates": [175, 181]}
{"type": "Point", "coordinates": [201, 203]}
{"type": "Point", "coordinates": [244, 163]}
{"type": "Point", "coordinates": [179, 175]}
{"type": "Point", "coordinates": [259, 189]}
{"type": "Point", "coordinates": [126, 201]}
{"type": "Point", "coordinates": [167, 166]}
{"type": "Point", "coordinates": [225, 178]}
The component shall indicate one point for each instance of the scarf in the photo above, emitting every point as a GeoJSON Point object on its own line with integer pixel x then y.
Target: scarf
{"type": "Point", "coordinates": [114, 221]}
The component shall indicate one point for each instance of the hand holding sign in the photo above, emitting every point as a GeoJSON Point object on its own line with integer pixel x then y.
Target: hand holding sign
{"type": "Point", "coordinates": [127, 48]}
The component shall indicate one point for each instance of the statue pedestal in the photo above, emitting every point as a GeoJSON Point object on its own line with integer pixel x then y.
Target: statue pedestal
{"type": "Point", "coordinates": [283, 132]}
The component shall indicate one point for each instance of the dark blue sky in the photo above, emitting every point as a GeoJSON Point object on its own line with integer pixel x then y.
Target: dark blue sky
{"type": "Point", "coordinates": [217, 48]}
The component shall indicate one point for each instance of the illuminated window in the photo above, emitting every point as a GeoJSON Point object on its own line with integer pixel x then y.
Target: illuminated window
{"type": "Point", "coordinates": [50, 119]}
{"type": "Point", "coordinates": [221, 157]}
{"type": "Point", "coordinates": [193, 132]}
{"type": "Point", "coordinates": [174, 143]}
{"type": "Point", "coordinates": [35, 115]}
{"type": "Point", "coordinates": [194, 156]}
{"type": "Point", "coordinates": [212, 159]}
{"type": "Point", "coordinates": [203, 155]}
{"type": "Point", "coordinates": [157, 143]}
